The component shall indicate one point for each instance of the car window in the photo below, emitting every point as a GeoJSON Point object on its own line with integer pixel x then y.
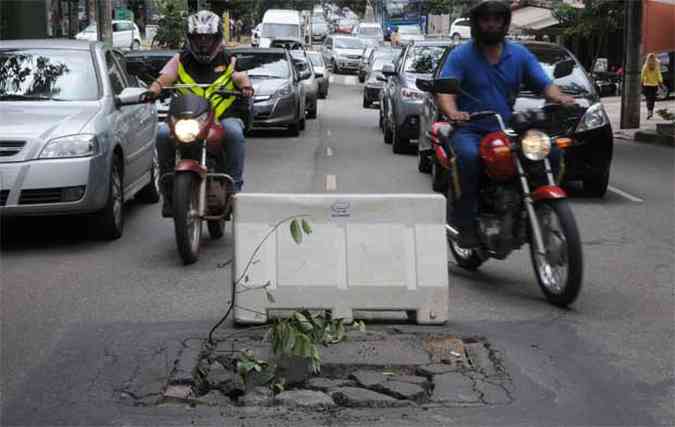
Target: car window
{"type": "Point", "coordinates": [316, 59]}
{"type": "Point", "coordinates": [409, 29]}
{"type": "Point", "coordinates": [348, 44]}
{"type": "Point", "coordinates": [464, 23]}
{"type": "Point", "coordinates": [115, 75]}
{"type": "Point", "coordinates": [131, 79]}
{"type": "Point", "coordinates": [61, 74]}
{"type": "Point", "coordinates": [575, 83]}
{"type": "Point", "coordinates": [423, 59]}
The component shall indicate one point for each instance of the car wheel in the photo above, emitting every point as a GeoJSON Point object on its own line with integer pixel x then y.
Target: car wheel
{"type": "Point", "coordinates": [423, 162]}
{"type": "Point", "coordinates": [366, 104]}
{"type": "Point", "coordinates": [110, 220]}
{"type": "Point", "coordinates": [334, 65]}
{"type": "Point", "coordinates": [150, 193]}
{"type": "Point", "coordinates": [294, 129]}
{"type": "Point", "coordinates": [135, 45]}
{"type": "Point", "coordinates": [381, 124]}
{"type": "Point", "coordinates": [312, 112]}
{"type": "Point", "coordinates": [595, 185]}
{"type": "Point", "coordinates": [362, 77]}
{"type": "Point", "coordinates": [388, 134]}
{"type": "Point", "coordinates": [303, 124]}
{"type": "Point", "coordinates": [399, 144]}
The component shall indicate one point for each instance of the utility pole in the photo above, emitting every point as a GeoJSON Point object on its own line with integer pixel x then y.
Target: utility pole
{"type": "Point", "coordinates": [104, 21]}
{"type": "Point", "coordinates": [630, 95]}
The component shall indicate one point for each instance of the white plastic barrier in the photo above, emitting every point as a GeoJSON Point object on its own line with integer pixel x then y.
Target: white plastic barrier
{"type": "Point", "coordinates": [365, 252]}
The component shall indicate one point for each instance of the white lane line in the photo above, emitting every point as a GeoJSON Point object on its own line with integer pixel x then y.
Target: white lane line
{"type": "Point", "coordinates": [331, 183]}
{"type": "Point", "coordinates": [624, 194]}
{"type": "Point", "coordinates": [329, 152]}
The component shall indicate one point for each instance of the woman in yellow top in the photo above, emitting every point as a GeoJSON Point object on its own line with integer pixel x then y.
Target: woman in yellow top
{"type": "Point", "coordinates": [651, 79]}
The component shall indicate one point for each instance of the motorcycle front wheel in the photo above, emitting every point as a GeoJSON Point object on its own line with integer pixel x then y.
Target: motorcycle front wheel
{"type": "Point", "coordinates": [560, 271]}
{"type": "Point", "coordinates": [186, 219]}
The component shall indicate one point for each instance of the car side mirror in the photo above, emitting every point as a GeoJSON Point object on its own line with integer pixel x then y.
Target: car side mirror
{"type": "Point", "coordinates": [129, 96]}
{"type": "Point", "coordinates": [304, 74]}
{"type": "Point", "coordinates": [388, 70]}
{"type": "Point", "coordinates": [381, 78]}
{"type": "Point", "coordinates": [563, 68]}
{"type": "Point", "coordinates": [425, 85]}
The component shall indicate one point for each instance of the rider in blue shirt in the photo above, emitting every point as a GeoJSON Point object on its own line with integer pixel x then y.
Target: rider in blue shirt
{"type": "Point", "coordinates": [490, 69]}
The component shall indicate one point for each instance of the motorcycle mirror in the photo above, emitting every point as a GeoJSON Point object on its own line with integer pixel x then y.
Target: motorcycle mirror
{"type": "Point", "coordinates": [563, 68]}
{"type": "Point", "coordinates": [447, 86]}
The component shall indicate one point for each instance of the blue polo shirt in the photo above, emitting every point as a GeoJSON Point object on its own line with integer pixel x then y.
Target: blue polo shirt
{"type": "Point", "coordinates": [495, 87]}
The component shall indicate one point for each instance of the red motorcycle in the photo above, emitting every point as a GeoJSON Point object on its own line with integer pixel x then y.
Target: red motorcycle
{"type": "Point", "coordinates": [519, 200]}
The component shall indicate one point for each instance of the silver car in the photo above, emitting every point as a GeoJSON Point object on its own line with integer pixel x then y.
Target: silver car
{"type": "Point", "coordinates": [342, 53]}
{"type": "Point", "coordinates": [303, 65]}
{"type": "Point", "coordinates": [320, 73]}
{"type": "Point", "coordinates": [66, 147]}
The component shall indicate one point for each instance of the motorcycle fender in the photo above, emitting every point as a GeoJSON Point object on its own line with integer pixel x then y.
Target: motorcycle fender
{"type": "Point", "coordinates": [193, 166]}
{"type": "Point", "coordinates": [548, 192]}
{"type": "Point", "coordinates": [442, 157]}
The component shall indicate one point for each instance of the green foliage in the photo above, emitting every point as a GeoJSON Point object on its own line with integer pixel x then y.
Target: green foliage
{"type": "Point", "coordinates": [172, 24]}
{"type": "Point", "coordinates": [598, 16]}
{"type": "Point", "coordinates": [302, 332]}
{"type": "Point", "coordinates": [248, 363]}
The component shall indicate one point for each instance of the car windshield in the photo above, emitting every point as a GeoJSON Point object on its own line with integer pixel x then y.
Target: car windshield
{"type": "Point", "coordinates": [379, 63]}
{"type": "Point", "coordinates": [409, 29]}
{"type": "Point", "coordinates": [315, 58]}
{"type": "Point", "coordinates": [423, 59]}
{"type": "Point", "coordinates": [575, 84]}
{"type": "Point", "coordinates": [47, 74]}
{"type": "Point", "coordinates": [270, 67]}
{"type": "Point", "coordinates": [280, 30]}
{"type": "Point", "coordinates": [348, 44]}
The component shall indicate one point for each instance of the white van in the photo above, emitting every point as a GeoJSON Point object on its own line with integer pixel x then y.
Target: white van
{"type": "Point", "coordinates": [281, 24]}
{"type": "Point", "coordinates": [460, 29]}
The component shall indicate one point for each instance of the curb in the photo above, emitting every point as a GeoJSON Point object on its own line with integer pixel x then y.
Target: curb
{"type": "Point", "coordinates": [651, 137]}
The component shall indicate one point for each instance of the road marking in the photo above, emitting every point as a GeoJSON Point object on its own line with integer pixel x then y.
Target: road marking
{"type": "Point", "coordinates": [624, 194]}
{"type": "Point", "coordinates": [331, 183]}
{"type": "Point", "coordinates": [329, 152]}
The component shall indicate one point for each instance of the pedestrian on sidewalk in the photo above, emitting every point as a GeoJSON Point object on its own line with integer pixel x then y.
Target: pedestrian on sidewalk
{"type": "Point", "coordinates": [651, 80]}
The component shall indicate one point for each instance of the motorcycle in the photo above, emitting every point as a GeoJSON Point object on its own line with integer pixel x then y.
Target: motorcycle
{"type": "Point", "coordinates": [519, 200]}
{"type": "Point", "coordinates": [200, 194]}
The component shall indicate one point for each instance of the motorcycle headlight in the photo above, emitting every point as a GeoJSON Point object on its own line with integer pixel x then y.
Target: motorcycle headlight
{"type": "Point", "coordinates": [535, 145]}
{"type": "Point", "coordinates": [595, 117]}
{"type": "Point", "coordinates": [412, 95]}
{"type": "Point", "coordinates": [186, 130]}
{"type": "Point", "coordinates": [70, 146]}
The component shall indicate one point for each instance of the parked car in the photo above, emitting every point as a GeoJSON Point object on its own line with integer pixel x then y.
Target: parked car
{"type": "Point", "coordinates": [460, 29]}
{"type": "Point", "coordinates": [303, 65]}
{"type": "Point", "coordinates": [66, 147]}
{"type": "Point", "coordinates": [369, 30]}
{"type": "Point", "coordinates": [589, 158]}
{"type": "Point", "coordinates": [342, 52]}
{"type": "Point", "coordinates": [279, 99]}
{"type": "Point", "coordinates": [319, 30]}
{"type": "Point", "coordinates": [401, 102]}
{"type": "Point", "coordinates": [373, 54]}
{"type": "Point", "coordinates": [409, 34]}
{"type": "Point", "coordinates": [320, 73]}
{"type": "Point", "coordinates": [374, 82]}
{"type": "Point", "coordinates": [369, 46]}
{"type": "Point", "coordinates": [126, 34]}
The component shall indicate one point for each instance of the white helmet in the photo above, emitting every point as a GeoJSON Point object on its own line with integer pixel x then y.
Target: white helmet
{"type": "Point", "coordinates": [204, 35]}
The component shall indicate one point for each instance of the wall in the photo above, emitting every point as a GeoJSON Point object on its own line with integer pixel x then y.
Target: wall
{"type": "Point", "coordinates": [658, 29]}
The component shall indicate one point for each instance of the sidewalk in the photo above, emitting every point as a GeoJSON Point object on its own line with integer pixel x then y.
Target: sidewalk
{"type": "Point", "coordinates": [647, 131]}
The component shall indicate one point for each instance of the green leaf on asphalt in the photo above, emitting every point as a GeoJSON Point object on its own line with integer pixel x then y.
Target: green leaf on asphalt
{"type": "Point", "coordinates": [306, 227]}
{"type": "Point", "coordinates": [295, 231]}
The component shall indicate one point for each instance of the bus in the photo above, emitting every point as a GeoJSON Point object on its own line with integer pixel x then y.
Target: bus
{"type": "Point", "coordinates": [392, 13]}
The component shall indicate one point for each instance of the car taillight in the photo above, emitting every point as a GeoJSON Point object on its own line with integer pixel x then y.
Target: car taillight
{"type": "Point", "coordinates": [495, 151]}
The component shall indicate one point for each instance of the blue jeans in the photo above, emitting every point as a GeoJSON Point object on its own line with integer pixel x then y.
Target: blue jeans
{"type": "Point", "coordinates": [233, 144]}
{"type": "Point", "coordinates": [465, 143]}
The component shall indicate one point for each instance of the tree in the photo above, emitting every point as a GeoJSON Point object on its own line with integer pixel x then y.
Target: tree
{"type": "Point", "coordinates": [172, 24]}
{"type": "Point", "coordinates": [592, 22]}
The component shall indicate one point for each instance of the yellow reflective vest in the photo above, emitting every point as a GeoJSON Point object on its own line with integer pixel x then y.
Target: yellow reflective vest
{"type": "Point", "coordinates": [219, 104]}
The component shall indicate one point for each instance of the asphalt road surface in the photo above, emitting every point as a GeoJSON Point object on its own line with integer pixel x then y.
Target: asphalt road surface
{"type": "Point", "coordinates": [73, 307]}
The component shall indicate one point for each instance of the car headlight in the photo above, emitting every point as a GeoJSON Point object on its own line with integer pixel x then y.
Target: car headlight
{"type": "Point", "coordinates": [595, 117]}
{"type": "Point", "coordinates": [412, 95]}
{"type": "Point", "coordinates": [535, 145]}
{"type": "Point", "coordinates": [186, 130]}
{"type": "Point", "coordinates": [70, 146]}
{"type": "Point", "coordinates": [283, 91]}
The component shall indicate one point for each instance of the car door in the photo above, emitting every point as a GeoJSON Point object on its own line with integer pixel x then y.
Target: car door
{"type": "Point", "coordinates": [396, 85]}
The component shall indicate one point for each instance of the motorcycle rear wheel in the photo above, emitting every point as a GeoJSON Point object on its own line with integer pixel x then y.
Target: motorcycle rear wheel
{"type": "Point", "coordinates": [186, 220]}
{"type": "Point", "coordinates": [560, 272]}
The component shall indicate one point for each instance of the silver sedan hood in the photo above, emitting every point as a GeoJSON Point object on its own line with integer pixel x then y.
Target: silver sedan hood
{"type": "Point", "coordinates": [38, 122]}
